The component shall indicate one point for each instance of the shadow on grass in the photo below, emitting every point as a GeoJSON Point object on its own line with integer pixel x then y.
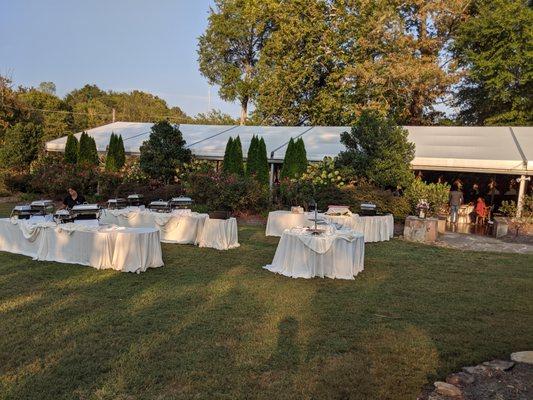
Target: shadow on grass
{"type": "Point", "coordinates": [214, 324]}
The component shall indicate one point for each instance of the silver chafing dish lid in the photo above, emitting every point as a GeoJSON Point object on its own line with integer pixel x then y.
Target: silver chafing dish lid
{"type": "Point", "coordinates": [24, 207]}
{"type": "Point", "coordinates": [62, 213]}
{"type": "Point", "coordinates": [42, 203]}
{"type": "Point", "coordinates": [181, 199]}
{"type": "Point", "coordinates": [159, 203]}
{"type": "Point", "coordinates": [114, 201]}
{"type": "Point", "coordinates": [368, 206]}
{"type": "Point", "coordinates": [135, 196]}
{"type": "Point", "coordinates": [86, 207]}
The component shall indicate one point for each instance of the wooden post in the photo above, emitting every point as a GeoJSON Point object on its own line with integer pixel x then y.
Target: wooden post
{"type": "Point", "coordinates": [113, 115]}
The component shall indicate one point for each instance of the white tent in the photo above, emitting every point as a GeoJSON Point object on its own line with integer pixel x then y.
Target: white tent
{"type": "Point", "coordinates": [502, 150]}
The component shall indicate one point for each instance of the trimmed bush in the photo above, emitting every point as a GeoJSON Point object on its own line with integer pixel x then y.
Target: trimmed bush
{"type": "Point", "coordinates": [71, 149]}
{"type": "Point", "coordinates": [233, 160]}
{"type": "Point", "coordinates": [164, 152]}
{"type": "Point", "coordinates": [295, 161]}
{"type": "Point", "coordinates": [87, 153]}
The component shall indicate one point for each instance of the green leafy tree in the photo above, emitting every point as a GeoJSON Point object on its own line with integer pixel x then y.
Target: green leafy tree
{"type": "Point", "coordinates": [494, 46]}
{"type": "Point", "coordinates": [213, 117]}
{"type": "Point", "coordinates": [378, 149]}
{"type": "Point", "coordinates": [327, 61]}
{"type": "Point", "coordinates": [71, 149]}
{"type": "Point", "coordinates": [164, 152]}
{"type": "Point", "coordinates": [54, 123]}
{"type": "Point", "coordinates": [229, 49]}
{"type": "Point", "coordinates": [87, 152]}
{"type": "Point", "coordinates": [22, 145]}
{"type": "Point", "coordinates": [47, 87]}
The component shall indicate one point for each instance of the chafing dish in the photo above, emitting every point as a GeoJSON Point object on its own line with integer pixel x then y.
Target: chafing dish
{"type": "Point", "coordinates": [135, 200]}
{"type": "Point", "coordinates": [42, 207]}
{"type": "Point", "coordinates": [368, 209]}
{"type": "Point", "coordinates": [180, 202]}
{"type": "Point", "coordinates": [338, 210]}
{"type": "Point", "coordinates": [159, 206]}
{"type": "Point", "coordinates": [85, 211]}
{"type": "Point", "coordinates": [21, 212]}
{"type": "Point", "coordinates": [63, 216]}
{"type": "Point", "coordinates": [115, 204]}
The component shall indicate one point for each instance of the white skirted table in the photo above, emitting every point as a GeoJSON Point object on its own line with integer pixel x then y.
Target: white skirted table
{"type": "Point", "coordinates": [118, 248]}
{"type": "Point", "coordinates": [220, 234]}
{"type": "Point", "coordinates": [179, 226]}
{"type": "Point", "coordinates": [339, 254]}
{"type": "Point", "coordinates": [278, 221]}
{"type": "Point", "coordinates": [376, 228]}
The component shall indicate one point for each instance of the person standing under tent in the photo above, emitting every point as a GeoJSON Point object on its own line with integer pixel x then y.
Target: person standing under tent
{"type": "Point", "coordinates": [456, 199]}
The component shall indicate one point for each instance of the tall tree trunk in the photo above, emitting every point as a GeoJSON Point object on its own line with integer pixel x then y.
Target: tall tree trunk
{"type": "Point", "coordinates": [244, 110]}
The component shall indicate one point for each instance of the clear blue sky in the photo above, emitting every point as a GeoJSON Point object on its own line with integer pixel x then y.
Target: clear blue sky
{"type": "Point", "coordinates": [118, 45]}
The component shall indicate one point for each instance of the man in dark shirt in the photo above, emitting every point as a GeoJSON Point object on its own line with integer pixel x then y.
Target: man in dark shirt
{"type": "Point", "coordinates": [73, 198]}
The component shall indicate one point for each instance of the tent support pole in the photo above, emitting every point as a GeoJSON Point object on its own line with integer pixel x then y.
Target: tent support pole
{"type": "Point", "coordinates": [521, 193]}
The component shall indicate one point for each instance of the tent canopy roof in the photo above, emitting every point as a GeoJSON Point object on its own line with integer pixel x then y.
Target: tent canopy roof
{"type": "Point", "coordinates": [448, 148]}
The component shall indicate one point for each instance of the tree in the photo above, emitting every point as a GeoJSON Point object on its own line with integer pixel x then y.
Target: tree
{"type": "Point", "coordinates": [229, 49]}
{"type": "Point", "coordinates": [22, 145]}
{"type": "Point", "coordinates": [110, 161]}
{"type": "Point", "coordinates": [300, 156]}
{"type": "Point", "coordinates": [164, 152]}
{"type": "Point", "coordinates": [47, 87]}
{"type": "Point", "coordinates": [214, 117]}
{"type": "Point", "coordinates": [56, 122]}
{"type": "Point", "coordinates": [494, 48]}
{"type": "Point", "coordinates": [327, 61]}
{"type": "Point", "coordinates": [233, 160]}
{"type": "Point", "coordinates": [252, 158]}
{"type": "Point", "coordinates": [262, 163]}
{"type": "Point", "coordinates": [120, 153]}
{"type": "Point", "coordinates": [378, 149]}
{"type": "Point", "coordinates": [71, 149]}
{"type": "Point", "coordinates": [228, 153]}
{"type": "Point", "coordinates": [87, 152]}
{"type": "Point", "coordinates": [288, 170]}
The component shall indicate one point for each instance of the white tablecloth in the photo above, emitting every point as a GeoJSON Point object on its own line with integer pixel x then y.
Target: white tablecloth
{"type": "Point", "coordinates": [220, 234]}
{"type": "Point", "coordinates": [374, 228]}
{"type": "Point", "coordinates": [121, 249]}
{"type": "Point", "coordinates": [301, 255]}
{"type": "Point", "coordinates": [464, 214]}
{"type": "Point", "coordinates": [180, 226]}
{"type": "Point", "coordinates": [278, 221]}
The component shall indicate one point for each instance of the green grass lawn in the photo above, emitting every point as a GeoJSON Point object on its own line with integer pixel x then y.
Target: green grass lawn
{"type": "Point", "coordinates": [215, 325]}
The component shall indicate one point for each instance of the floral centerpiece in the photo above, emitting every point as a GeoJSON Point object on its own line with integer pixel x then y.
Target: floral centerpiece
{"type": "Point", "coordinates": [422, 208]}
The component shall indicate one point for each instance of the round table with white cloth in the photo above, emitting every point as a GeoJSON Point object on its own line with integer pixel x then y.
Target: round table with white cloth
{"type": "Point", "coordinates": [118, 248]}
{"type": "Point", "coordinates": [334, 255]}
{"type": "Point", "coordinates": [220, 234]}
{"type": "Point", "coordinates": [278, 221]}
{"type": "Point", "coordinates": [377, 228]}
{"type": "Point", "coordinates": [178, 226]}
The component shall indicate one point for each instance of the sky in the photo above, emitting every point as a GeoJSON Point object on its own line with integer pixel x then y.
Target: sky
{"type": "Point", "coordinates": [119, 45]}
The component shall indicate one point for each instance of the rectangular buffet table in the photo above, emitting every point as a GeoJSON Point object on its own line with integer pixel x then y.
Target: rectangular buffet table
{"type": "Point", "coordinates": [118, 248]}
{"type": "Point", "coordinates": [338, 254]}
{"type": "Point", "coordinates": [179, 226]}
